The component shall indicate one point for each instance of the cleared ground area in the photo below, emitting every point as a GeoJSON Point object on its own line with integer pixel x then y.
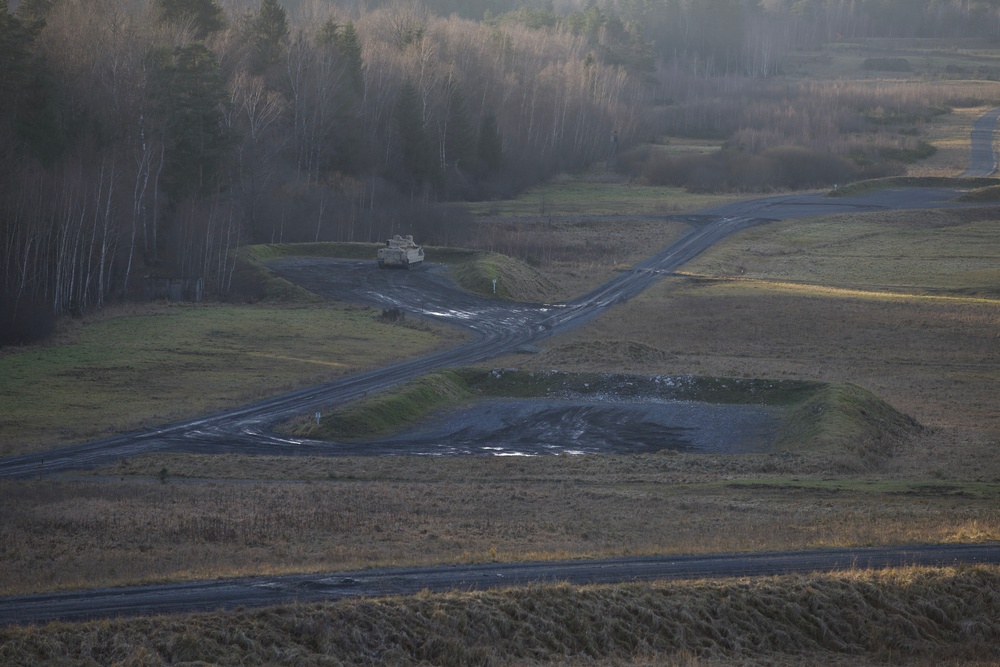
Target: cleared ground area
{"type": "Point", "coordinates": [903, 304]}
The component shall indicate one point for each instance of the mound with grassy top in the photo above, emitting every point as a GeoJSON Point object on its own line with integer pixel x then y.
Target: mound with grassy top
{"type": "Point", "coordinates": [988, 194]}
{"type": "Point", "coordinates": [901, 616]}
{"type": "Point", "coordinates": [401, 407]}
{"type": "Point", "coordinates": [862, 187]}
{"type": "Point", "coordinates": [844, 420]}
{"type": "Point", "coordinates": [388, 411]}
{"type": "Point", "coordinates": [849, 419]}
{"type": "Point", "coordinates": [253, 282]}
{"type": "Point", "coordinates": [515, 280]}
{"type": "Point", "coordinates": [473, 270]}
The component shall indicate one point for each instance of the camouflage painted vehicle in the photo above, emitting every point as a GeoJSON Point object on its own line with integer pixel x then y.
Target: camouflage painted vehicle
{"type": "Point", "coordinates": [401, 252]}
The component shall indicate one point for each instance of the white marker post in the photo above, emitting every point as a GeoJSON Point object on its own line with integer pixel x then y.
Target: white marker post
{"type": "Point", "coordinates": [494, 285]}
{"type": "Point", "coordinates": [317, 418]}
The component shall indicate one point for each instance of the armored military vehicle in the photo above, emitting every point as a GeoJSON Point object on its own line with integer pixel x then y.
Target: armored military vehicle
{"type": "Point", "coordinates": [401, 252]}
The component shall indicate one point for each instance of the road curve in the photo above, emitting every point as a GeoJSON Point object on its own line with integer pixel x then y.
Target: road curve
{"type": "Point", "coordinates": [982, 157]}
{"type": "Point", "coordinates": [263, 591]}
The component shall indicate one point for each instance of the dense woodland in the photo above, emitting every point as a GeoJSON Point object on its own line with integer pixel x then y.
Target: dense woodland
{"type": "Point", "coordinates": [156, 137]}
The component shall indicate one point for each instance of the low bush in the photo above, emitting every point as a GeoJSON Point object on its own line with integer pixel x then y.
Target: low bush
{"type": "Point", "coordinates": [24, 321]}
{"type": "Point", "coordinates": [887, 64]}
{"type": "Point", "coordinates": [784, 167]}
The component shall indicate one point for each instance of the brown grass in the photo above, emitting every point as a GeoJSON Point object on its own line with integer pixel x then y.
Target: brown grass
{"type": "Point", "coordinates": [356, 513]}
{"type": "Point", "coordinates": [903, 304]}
{"type": "Point", "coordinates": [949, 134]}
{"type": "Point", "coordinates": [931, 358]}
{"type": "Point", "coordinates": [575, 256]}
{"type": "Point", "coordinates": [911, 616]}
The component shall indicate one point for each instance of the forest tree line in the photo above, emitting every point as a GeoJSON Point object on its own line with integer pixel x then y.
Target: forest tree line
{"type": "Point", "coordinates": [156, 137]}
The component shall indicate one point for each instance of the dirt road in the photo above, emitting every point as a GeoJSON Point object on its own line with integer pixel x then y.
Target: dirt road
{"type": "Point", "coordinates": [263, 591]}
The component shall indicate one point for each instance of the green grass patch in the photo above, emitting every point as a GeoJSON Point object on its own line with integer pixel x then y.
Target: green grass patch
{"type": "Point", "coordinates": [263, 253]}
{"type": "Point", "coordinates": [847, 418]}
{"type": "Point", "coordinates": [168, 362]}
{"type": "Point", "coordinates": [515, 280]}
{"type": "Point", "coordinates": [544, 384]}
{"type": "Point", "coordinates": [253, 282]}
{"type": "Point", "coordinates": [590, 198]}
{"type": "Point", "coordinates": [952, 251]}
{"type": "Point", "coordinates": [388, 411]}
{"type": "Point", "coordinates": [838, 419]}
{"type": "Point", "coordinates": [988, 194]}
{"type": "Point", "coordinates": [404, 406]}
{"type": "Point", "coordinates": [862, 187]}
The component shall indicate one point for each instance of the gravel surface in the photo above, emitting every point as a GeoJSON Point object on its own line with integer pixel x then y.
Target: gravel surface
{"type": "Point", "coordinates": [528, 427]}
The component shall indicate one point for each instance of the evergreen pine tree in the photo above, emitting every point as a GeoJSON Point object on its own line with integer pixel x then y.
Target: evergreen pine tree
{"type": "Point", "coordinates": [419, 165]}
{"type": "Point", "coordinates": [270, 32]}
{"type": "Point", "coordinates": [460, 140]}
{"type": "Point", "coordinates": [190, 95]}
{"type": "Point", "coordinates": [490, 147]}
{"type": "Point", "coordinates": [349, 45]}
{"type": "Point", "coordinates": [204, 16]}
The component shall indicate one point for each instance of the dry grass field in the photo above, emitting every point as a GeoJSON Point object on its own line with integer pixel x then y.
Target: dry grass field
{"type": "Point", "coordinates": [912, 616]}
{"type": "Point", "coordinates": [949, 134]}
{"type": "Point", "coordinates": [230, 516]}
{"type": "Point", "coordinates": [903, 304]}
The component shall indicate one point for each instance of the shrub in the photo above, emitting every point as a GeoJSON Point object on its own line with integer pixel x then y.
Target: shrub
{"type": "Point", "coordinates": [887, 64]}
{"type": "Point", "coordinates": [24, 321]}
{"type": "Point", "coordinates": [785, 167]}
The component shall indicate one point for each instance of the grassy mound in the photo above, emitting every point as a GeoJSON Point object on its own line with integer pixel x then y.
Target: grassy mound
{"type": "Point", "coordinates": [389, 411]}
{"type": "Point", "coordinates": [862, 187]}
{"type": "Point", "coordinates": [902, 616]}
{"type": "Point", "coordinates": [395, 409]}
{"type": "Point", "coordinates": [473, 270]}
{"type": "Point", "coordinates": [515, 280]}
{"type": "Point", "coordinates": [252, 281]}
{"type": "Point", "coordinates": [847, 419]}
{"type": "Point", "coordinates": [843, 420]}
{"type": "Point", "coordinates": [606, 353]}
{"type": "Point", "coordinates": [988, 194]}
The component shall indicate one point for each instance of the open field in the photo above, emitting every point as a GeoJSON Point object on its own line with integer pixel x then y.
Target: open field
{"type": "Point", "coordinates": [907, 616]}
{"type": "Point", "coordinates": [146, 365]}
{"type": "Point", "coordinates": [575, 256]}
{"type": "Point", "coordinates": [943, 252]}
{"type": "Point", "coordinates": [903, 304]}
{"type": "Point", "coordinates": [959, 60]}
{"type": "Point", "coordinates": [596, 194]}
{"type": "Point", "coordinates": [319, 514]}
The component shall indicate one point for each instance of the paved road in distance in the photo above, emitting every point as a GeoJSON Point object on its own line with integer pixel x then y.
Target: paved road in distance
{"type": "Point", "coordinates": [264, 591]}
